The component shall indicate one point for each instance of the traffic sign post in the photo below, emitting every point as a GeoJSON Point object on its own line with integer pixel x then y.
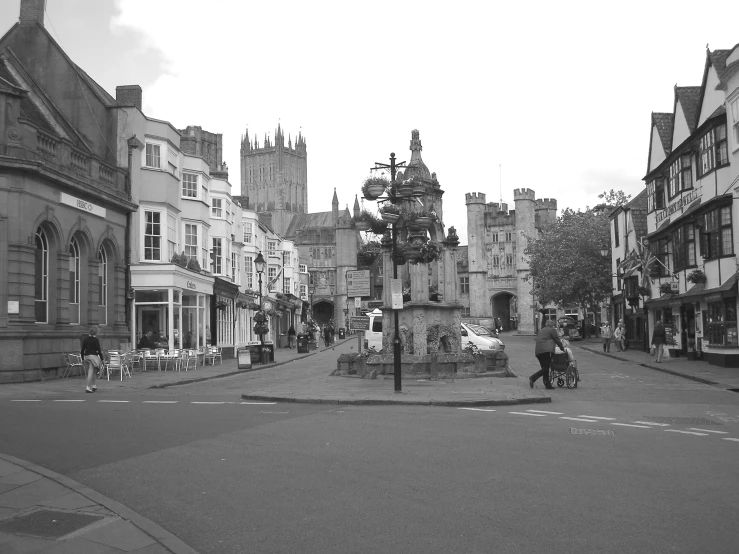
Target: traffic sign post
{"type": "Point", "coordinates": [358, 283]}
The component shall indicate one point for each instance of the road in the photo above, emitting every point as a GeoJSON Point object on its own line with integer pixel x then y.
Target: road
{"type": "Point", "coordinates": [632, 461]}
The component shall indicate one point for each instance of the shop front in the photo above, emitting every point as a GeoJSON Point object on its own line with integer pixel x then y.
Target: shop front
{"type": "Point", "coordinates": [170, 306]}
{"type": "Point", "coordinates": [223, 316]}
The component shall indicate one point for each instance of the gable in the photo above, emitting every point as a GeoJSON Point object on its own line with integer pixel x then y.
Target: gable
{"type": "Point", "coordinates": [680, 129]}
{"type": "Point", "coordinates": [712, 98]}
{"type": "Point", "coordinates": [656, 150]}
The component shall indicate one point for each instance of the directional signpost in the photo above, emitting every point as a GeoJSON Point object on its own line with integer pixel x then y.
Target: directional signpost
{"type": "Point", "coordinates": [357, 286]}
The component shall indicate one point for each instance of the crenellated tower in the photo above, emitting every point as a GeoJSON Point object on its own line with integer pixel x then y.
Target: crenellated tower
{"type": "Point", "coordinates": [274, 176]}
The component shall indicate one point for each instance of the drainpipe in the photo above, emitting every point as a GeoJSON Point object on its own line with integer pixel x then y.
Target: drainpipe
{"type": "Point", "coordinates": [133, 144]}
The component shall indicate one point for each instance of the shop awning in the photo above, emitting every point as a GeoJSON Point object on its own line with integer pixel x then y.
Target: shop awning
{"type": "Point", "coordinates": [698, 292]}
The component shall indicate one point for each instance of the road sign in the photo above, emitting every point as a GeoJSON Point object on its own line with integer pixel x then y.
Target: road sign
{"type": "Point", "coordinates": [358, 282]}
{"type": "Point", "coordinates": [396, 290]}
{"type": "Point", "coordinates": [360, 323]}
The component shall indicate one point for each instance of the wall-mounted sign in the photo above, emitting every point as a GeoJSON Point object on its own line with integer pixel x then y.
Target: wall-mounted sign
{"type": "Point", "coordinates": [191, 285]}
{"type": "Point", "coordinates": [83, 205]}
{"type": "Point", "coordinates": [681, 202]}
{"type": "Point", "coordinates": [358, 282]}
{"type": "Point", "coordinates": [14, 307]}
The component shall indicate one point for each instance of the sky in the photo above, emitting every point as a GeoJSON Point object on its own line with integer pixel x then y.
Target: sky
{"type": "Point", "coordinates": [552, 96]}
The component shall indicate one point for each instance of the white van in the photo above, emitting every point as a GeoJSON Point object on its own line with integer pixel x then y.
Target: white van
{"type": "Point", "coordinates": [480, 337]}
{"type": "Point", "coordinates": [373, 336]}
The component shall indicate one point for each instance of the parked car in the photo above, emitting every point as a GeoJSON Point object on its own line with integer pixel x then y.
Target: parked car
{"type": "Point", "coordinates": [480, 337]}
{"type": "Point", "coordinates": [373, 336]}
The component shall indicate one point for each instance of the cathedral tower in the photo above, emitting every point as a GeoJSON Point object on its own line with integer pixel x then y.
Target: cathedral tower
{"type": "Point", "coordinates": [274, 177]}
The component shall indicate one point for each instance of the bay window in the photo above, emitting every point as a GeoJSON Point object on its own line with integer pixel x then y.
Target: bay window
{"type": "Point", "coordinates": [721, 327]}
{"type": "Point", "coordinates": [153, 155]}
{"type": "Point", "coordinates": [217, 255]}
{"type": "Point", "coordinates": [191, 241]}
{"type": "Point", "coordinates": [683, 240]}
{"type": "Point", "coordinates": [152, 236]}
{"type": "Point", "coordinates": [713, 149]}
{"type": "Point", "coordinates": [716, 237]}
{"type": "Point", "coordinates": [189, 185]}
{"type": "Point", "coordinates": [249, 271]}
{"type": "Point", "coordinates": [216, 207]}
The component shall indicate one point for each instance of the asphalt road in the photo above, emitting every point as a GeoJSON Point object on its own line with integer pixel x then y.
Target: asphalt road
{"type": "Point", "coordinates": [632, 461]}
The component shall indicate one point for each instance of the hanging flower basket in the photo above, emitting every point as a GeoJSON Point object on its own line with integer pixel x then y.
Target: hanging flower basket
{"type": "Point", "coordinates": [665, 288]}
{"type": "Point", "coordinates": [644, 291]}
{"type": "Point", "coordinates": [429, 252]}
{"type": "Point", "coordinates": [696, 276]}
{"type": "Point", "coordinates": [221, 305]}
{"type": "Point", "coordinates": [261, 329]}
{"type": "Point", "coordinates": [417, 238]}
{"type": "Point", "coordinates": [374, 187]}
{"type": "Point", "coordinates": [404, 188]}
{"type": "Point", "coordinates": [390, 217]}
{"type": "Point", "coordinates": [424, 222]}
{"type": "Point", "coordinates": [241, 304]}
{"type": "Point", "coordinates": [364, 221]}
{"type": "Point", "coordinates": [260, 317]}
{"type": "Point", "coordinates": [363, 225]}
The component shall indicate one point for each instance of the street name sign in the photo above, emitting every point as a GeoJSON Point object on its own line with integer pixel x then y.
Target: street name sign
{"type": "Point", "coordinates": [358, 282]}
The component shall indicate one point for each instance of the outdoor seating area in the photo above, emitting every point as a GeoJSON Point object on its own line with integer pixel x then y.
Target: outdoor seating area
{"type": "Point", "coordinates": [124, 364]}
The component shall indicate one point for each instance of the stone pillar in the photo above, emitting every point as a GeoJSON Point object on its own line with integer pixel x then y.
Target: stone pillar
{"type": "Point", "coordinates": [476, 253]}
{"type": "Point", "coordinates": [525, 226]}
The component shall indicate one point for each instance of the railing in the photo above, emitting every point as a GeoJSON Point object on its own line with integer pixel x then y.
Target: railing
{"type": "Point", "coordinates": [106, 174]}
{"type": "Point", "coordinates": [47, 146]}
{"type": "Point", "coordinates": [80, 162]}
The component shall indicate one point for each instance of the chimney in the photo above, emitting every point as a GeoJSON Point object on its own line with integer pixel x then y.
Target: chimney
{"type": "Point", "coordinates": [32, 11]}
{"type": "Point", "coordinates": [128, 95]}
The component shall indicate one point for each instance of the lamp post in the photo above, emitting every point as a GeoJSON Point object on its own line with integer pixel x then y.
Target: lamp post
{"type": "Point", "coordinates": [393, 167]}
{"type": "Point", "coordinates": [259, 264]}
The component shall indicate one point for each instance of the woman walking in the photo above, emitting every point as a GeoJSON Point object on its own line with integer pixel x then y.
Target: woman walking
{"type": "Point", "coordinates": [607, 333]}
{"type": "Point", "coordinates": [92, 356]}
{"type": "Point", "coordinates": [546, 340]}
{"type": "Point", "coordinates": [658, 340]}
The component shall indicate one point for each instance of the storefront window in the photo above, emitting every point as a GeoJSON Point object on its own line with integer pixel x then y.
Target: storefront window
{"type": "Point", "coordinates": [721, 326]}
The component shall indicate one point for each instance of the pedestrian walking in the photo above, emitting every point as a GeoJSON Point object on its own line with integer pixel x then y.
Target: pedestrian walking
{"type": "Point", "coordinates": [291, 337]}
{"type": "Point", "coordinates": [658, 340]}
{"type": "Point", "coordinates": [607, 334]}
{"type": "Point", "coordinates": [546, 340]}
{"type": "Point", "coordinates": [93, 358]}
{"type": "Point", "coordinates": [326, 335]}
{"type": "Point", "coordinates": [622, 339]}
{"type": "Point", "coordinates": [617, 337]}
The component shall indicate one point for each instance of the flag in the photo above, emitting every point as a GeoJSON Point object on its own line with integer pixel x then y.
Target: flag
{"type": "Point", "coordinates": [647, 259]}
{"type": "Point", "coordinates": [272, 282]}
{"type": "Point", "coordinates": [631, 263]}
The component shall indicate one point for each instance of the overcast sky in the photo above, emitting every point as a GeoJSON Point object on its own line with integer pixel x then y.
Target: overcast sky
{"type": "Point", "coordinates": [556, 94]}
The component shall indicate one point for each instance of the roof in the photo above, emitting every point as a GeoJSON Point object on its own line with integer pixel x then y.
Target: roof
{"type": "Point", "coordinates": [689, 98]}
{"type": "Point", "coordinates": [663, 122]}
{"type": "Point", "coordinates": [29, 110]}
{"type": "Point", "coordinates": [317, 220]}
{"type": "Point", "coordinates": [638, 207]}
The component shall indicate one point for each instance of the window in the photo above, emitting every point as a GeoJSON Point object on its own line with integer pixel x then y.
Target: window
{"type": "Point", "coordinates": [548, 314]}
{"type": "Point", "coordinates": [286, 258]}
{"type": "Point", "coordinates": [234, 266]}
{"type": "Point", "coordinates": [41, 295]}
{"type": "Point", "coordinates": [204, 193]}
{"type": "Point", "coordinates": [663, 253]}
{"type": "Point", "coordinates": [303, 268]}
{"type": "Point", "coordinates": [311, 278]}
{"type": "Point", "coordinates": [508, 236]}
{"type": "Point", "coordinates": [191, 241]}
{"type": "Point", "coordinates": [217, 255]}
{"type": "Point", "coordinates": [681, 177]}
{"type": "Point", "coordinates": [721, 322]}
{"type": "Point", "coordinates": [713, 149]}
{"type": "Point", "coordinates": [716, 239]}
{"type": "Point", "coordinates": [172, 160]}
{"type": "Point", "coordinates": [103, 286]}
{"type": "Point", "coordinates": [630, 287]}
{"type": "Point", "coordinates": [650, 196]}
{"type": "Point", "coordinates": [618, 277]}
{"type": "Point", "coordinates": [496, 261]}
{"type": "Point", "coordinates": [249, 271]}
{"type": "Point", "coordinates": [152, 236]}
{"type": "Point", "coordinates": [153, 157]}
{"type": "Point", "coordinates": [205, 252]}
{"type": "Point", "coordinates": [465, 311]}
{"type": "Point", "coordinates": [247, 233]}
{"type": "Point", "coordinates": [216, 207]}
{"type": "Point", "coordinates": [286, 285]}
{"type": "Point", "coordinates": [687, 172]}
{"type": "Point", "coordinates": [683, 240]}
{"type": "Point", "coordinates": [615, 229]}
{"type": "Point", "coordinates": [722, 149]}
{"type": "Point", "coordinates": [74, 282]}
{"type": "Point", "coordinates": [494, 237]}
{"type": "Point", "coordinates": [271, 248]}
{"type": "Point", "coordinates": [189, 185]}
{"type": "Point", "coordinates": [735, 119]}
{"type": "Point", "coordinates": [171, 236]}
{"type": "Point", "coordinates": [271, 275]}
{"type": "Point", "coordinates": [464, 285]}
{"type": "Point", "coordinates": [706, 153]}
{"type": "Point", "coordinates": [509, 260]}
{"type": "Point", "coordinates": [659, 194]}
{"type": "Point", "coordinates": [303, 291]}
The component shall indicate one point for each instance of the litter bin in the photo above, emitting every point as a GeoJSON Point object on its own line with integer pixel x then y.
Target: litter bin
{"type": "Point", "coordinates": [342, 332]}
{"type": "Point", "coordinates": [268, 353]}
{"type": "Point", "coordinates": [302, 343]}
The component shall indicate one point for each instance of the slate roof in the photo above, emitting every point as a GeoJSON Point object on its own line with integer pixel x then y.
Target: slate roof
{"type": "Point", "coordinates": [663, 122]}
{"type": "Point", "coordinates": [638, 207]}
{"type": "Point", "coordinates": [29, 110]}
{"type": "Point", "coordinates": [317, 220]}
{"type": "Point", "coordinates": [689, 98]}
{"type": "Point", "coordinates": [718, 59]}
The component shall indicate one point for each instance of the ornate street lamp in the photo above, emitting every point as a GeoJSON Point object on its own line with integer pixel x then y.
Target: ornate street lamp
{"type": "Point", "coordinates": [259, 264]}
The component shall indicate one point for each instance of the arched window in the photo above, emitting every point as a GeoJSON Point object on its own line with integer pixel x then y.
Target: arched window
{"type": "Point", "coordinates": [42, 277]}
{"type": "Point", "coordinates": [74, 282]}
{"type": "Point", "coordinates": [103, 286]}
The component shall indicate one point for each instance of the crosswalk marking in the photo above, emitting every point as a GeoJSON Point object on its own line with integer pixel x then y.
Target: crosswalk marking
{"type": "Point", "coordinates": [729, 439]}
{"type": "Point", "coordinates": [596, 417]}
{"type": "Point", "coordinates": [259, 403]}
{"type": "Point", "coordinates": [115, 401]}
{"type": "Point", "coordinates": [631, 425]}
{"type": "Point", "coordinates": [69, 400]}
{"type": "Point", "coordinates": [160, 401]}
{"type": "Point", "coordinates": [652, 423]}
{"type": "Point", "coordinates": [25, 400]}
{"type": "Point", "coordinates": [543, 412]}
{"type": "Point", "coordinates": [527, 413]}
{"type": "Point", "coordinates": [709, 431]}
{"type": "Point", "coordinates": [207, 402]}
{"type": "Point", "coordinates": [686, 432]}
{"type": "Point", "coordinates": [580, 419]}
{"type": "Point", "coordinates": [478, 409]}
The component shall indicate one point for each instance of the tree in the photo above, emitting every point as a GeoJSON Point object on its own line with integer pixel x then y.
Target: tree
{"type": "Point", "coordinates": [613, 199]}
{"type": "Point", "coordinates": [566, 266]}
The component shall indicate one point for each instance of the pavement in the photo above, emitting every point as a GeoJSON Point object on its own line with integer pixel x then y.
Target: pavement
{"type": "Point", "coordinates": [47, 513]}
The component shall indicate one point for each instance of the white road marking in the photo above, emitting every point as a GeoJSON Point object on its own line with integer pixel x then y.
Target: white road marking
{"type": "Point", "coordinates": [580, 419]}
{"type": "Point", "coordinates": [709, 431]}
{"type": "Point", "coordinates": [526, 413]}
{"type": "Point", "coordinates": [25, 400]}
{"type": "Point", "coordinates": [259, 403]}
{"type": "Point", "coordinates": [543, 412]}
{"type": "Point", "coordinates": [160, 402]}
{"type": "Point", "coordinates": [632, 425]}
{"type": "Point", "coordinates": [596, 417]}
{"type": "Point", "coordinates": [207, 402]}
{"type": "Point", "coordinates": [685, 432]}
{"type": "Point", "coordinates": [652, 423]}
{"type": "Point", "coordinates": [69, 401]}
{"type": "Point", "coordinates": [115, 401]}
{"type": "Point", "coordinates": [729, 439]}
{"type": "Point", "coordinates": [477, 409]}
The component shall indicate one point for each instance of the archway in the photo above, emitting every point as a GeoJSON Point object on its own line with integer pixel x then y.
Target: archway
{"type": "Point", "coordinates": [323, 311]}
{"type": "Point", "coordinates": [503, 305]}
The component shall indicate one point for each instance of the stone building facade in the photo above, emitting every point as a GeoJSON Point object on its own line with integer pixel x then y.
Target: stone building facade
{"type": "Point", "coordinates": [274, 177]}
{"type": "Point", "coordinates": [493, 268]}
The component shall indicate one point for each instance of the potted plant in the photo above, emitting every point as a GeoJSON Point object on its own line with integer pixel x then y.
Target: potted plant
{"type": "Point", "coordinates": [644, 291]}
{"type": "Point", "coordinates": [422, 220]}
{"type": "Point", "coordinates": [221, 305]}
{"type": "Point", "coordinates": [390, 213]}
{"type": "Point", "coordinates": [696, 276]}
{"type": "Point", "coordinates": [404, 188]}
{"type": "Point", "coordinates": [373, 187]}
{"type": "Point", "coordinates": [363, 220]}
{"type": "Point", "coordinates": [193, 265]}
{"type": "Point", "coordinates": [241, 304]}
{"type": "Point", "coordinates": [665, 288]}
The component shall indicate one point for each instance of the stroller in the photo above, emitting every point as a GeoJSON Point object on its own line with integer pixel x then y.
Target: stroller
{"type": "Point", "coordinates": [562, 370]}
